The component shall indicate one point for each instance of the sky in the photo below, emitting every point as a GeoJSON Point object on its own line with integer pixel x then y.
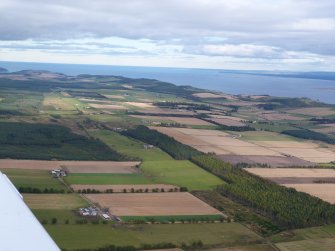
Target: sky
{"type": "Point", "coordinates": [295, 35]}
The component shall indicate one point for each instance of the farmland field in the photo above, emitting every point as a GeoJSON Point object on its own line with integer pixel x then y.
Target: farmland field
{"type": "Point", "coordinates": [153, 204]}
{"type": "Point", "coordinates": [71, 166]}
{"type": "Point", "coordinates": [54, 201]}
{"type": "Point", "coordinates": [81, 236]}
{"type": "Point", "coordinates": [180, 173]}
{"type": "Point", "coordinates": [40, 179]}
{"type": "Point", "coordinates": [107, 179]}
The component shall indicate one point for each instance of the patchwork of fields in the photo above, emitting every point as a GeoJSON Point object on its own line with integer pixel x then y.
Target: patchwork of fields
{"type": "Point", "coordinates": [317, 182]}
{"type": "Point", "coordinates": [223, 143]}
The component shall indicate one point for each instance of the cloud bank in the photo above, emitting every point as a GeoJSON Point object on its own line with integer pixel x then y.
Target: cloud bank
{"type": "Point", "coordinates": [246, 34]}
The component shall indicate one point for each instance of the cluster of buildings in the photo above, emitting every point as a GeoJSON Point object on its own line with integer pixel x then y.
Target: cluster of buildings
{"type": "Point", "coordinates": [58, 173]}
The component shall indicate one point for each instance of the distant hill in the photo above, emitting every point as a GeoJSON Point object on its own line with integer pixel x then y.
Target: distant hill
{"type": "Point", "coordinates": [3, 70]}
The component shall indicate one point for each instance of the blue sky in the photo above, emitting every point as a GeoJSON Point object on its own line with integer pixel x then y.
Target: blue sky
{"type": "Point", "coordinates": [237, 34]}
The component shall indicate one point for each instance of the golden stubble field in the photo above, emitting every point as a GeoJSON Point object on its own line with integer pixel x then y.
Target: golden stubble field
{"type": "Point", "coordinates": [153, 204]}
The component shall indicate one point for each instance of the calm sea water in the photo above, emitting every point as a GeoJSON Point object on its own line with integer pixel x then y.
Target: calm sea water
{"type": "Point", "coordinates": [233, 83]}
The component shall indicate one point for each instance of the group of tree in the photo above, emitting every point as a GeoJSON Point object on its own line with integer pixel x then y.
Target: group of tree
{"type": "Point", "coordinates": [176, 149]}
{"type": "Point", "coordinates": [286, 206]}
{"type": "Point", "coordinates": [38, 190]}
{"type": "Point", "coordinates": [311, 135]}
{"type": "Point", "coordinates": [183, 105]}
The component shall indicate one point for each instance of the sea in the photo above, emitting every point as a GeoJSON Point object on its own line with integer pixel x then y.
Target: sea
{"type": "Point", "coordinates": [232, 82]}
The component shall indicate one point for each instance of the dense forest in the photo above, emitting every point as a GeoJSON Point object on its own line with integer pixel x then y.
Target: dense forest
{"type": "Point", "coordinates": [287, 207]}
{"type": "Point", "coordinates": [308, 134]}
{"type": "Point", "coordinates": [45, 141]}
{"type": "Point", "coordinates": [176, 149]}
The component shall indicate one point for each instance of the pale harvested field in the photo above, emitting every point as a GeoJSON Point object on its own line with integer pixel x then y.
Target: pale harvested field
{"type": "Point", "coordinates": [96, 100]}
{"type": "Point", "coordinates": [227, 122]}
{"type": "Point", "coordinates": [140, 105]}
{"type": "Point", "coordinates": [274, 161]}
{"type": "Point", "coordinates": [325, 192]}
{"type": "Point", "coordinates": [319, 155]}
{"type": "Point", "coordinates": [108, 107]}
{"type": "Point", "coordinates": [152, 204]}
{"type": "Point", "coordinates": [287, 144]}
{"type": "Point", "coordinates": [211, 95]}
{"type": "Point", "coordinates": [53, 201]}
{"type": "Point", "coordinates": [321, 111]}
{"type": "Point", "coordinates": [120, 188]}
{"type": "Point", "coordinates": [215, 141]}
{"type": "Point", "coordinates": [251, 150]}
{"type": "Point", "coordinates": [72, 166]}
{"type": "Point", "coordinates": [57, 103]}
{"type": "Point", "coordinates": [278, 116]}
{"type": "Point", "coordinates": [291, 172]}
{"type": "Point", "coordinates": [226, 117]}
{"type": "Point", "coordinates": [180, 120]}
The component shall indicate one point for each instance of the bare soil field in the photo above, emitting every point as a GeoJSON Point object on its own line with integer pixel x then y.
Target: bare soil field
{"type": "Point", "coordinates": [72, 166]}
{"type": "Point", "coordinates": [292, 172]}
{"type": "Point", "coordinates": [108, 107]}
{"type": "Point", "coordinates": [308, 180]}
{"type": "Point", "coordinates": [325, 192]}
{"type": "Point", "coordinates": [180, 120]}
{"type": "Point", "coordinates": [152, 204]}
{"type": "Point", "coordinates": [251, 150]}
{"type": "Point", "coordinates": [140, 105]}
{"type": "Point", "coordinates": [287, 144]}
{"type": "Point", "coordinates": [274, 161]}
{"type": "Point", "coordinates": [227, 122]}
{"type": "Point", "coordinates": [128, 188]}
{"type": "Point", "coordinates": [320, 111]}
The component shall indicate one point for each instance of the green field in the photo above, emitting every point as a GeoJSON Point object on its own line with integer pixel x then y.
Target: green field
{"type": "Point", "coordinates": [130, 147]}
{"type": "Point", "coordinates": [33, 178]}
{"type": "Point", "coordinates": [93, 236]}
{"type": "Point", "coordinates": [180, 173]}
{"type": "Point", "coordinates": [62, 215]}
{"type": "Point", "coordinates": [108, 179]}
{"type": "Point", "coordinates": [54, 201]}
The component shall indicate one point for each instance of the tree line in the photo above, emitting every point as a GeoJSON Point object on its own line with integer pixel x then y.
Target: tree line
{"type": "Point", "coordinates": [286, 206]}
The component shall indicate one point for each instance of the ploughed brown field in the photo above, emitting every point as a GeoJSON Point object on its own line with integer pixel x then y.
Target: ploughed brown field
{"type": "Point", "coordinates": [180, 120]}
{"type": "Point", "coordinates": [273, 161]}
{"type": "Point", "coordinates": [152, 204]}
{"type": "Point", "coordinates": [128, 188]}
{"type": "Point", "coordinates": [316, 182]}
{"type": "Point", "coordinates": [72, 166]}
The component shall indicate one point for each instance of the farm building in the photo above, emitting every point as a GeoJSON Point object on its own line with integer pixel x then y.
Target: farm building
{"type": "Point", "coordinates": [57, 173]}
